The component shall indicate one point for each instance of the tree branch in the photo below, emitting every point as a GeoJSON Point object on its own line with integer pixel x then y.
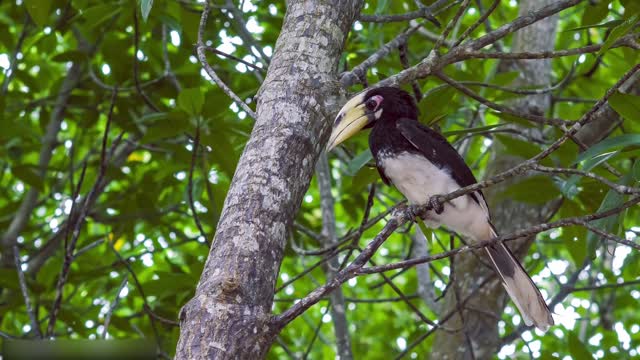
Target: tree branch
{"type": "Point", "coordinates": [202, 56]}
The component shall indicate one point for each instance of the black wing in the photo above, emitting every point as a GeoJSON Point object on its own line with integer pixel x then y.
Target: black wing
{"type": "Point", "coordinates": [438, 150]}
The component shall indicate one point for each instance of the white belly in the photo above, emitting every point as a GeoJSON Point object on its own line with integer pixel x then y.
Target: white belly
{"type": "Point", "coordinates": [418, 179]}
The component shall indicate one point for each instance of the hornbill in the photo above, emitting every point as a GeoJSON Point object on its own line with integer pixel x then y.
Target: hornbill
{"type": "Point", "coordinates": [420, 163]}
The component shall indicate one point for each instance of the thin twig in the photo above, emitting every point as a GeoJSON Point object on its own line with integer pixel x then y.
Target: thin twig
{"type": "Point", "coordinates": [621, 189]}
{"type": "Point", "coordinates": [358, 73]}
{"type": "Point", "coordinates": [192, 206]}
{"type": "Point", "coordinates": [424, 12]}
{"type": "Point", "coordinates": [507, 110]}
{"type": "Point", "coordinates": [13, 60]}
{"type": "Point", "coordinates": [202, 56]}
{"type": "Point", "coordinates": [136, 45]}
{"type": "Point", "coordinates": [532, 230]}
{"type": "Point", "coordinates": [433, 63]}
{"type": "Point", "coordinates": [114, 305]}
{"type": "Point", "coordinates": [25, 292]}
{"type": "Point", "coordinates": [624, 41]}
{"type": "Point", "coordinates": [66, 266]}
{"type": "Point", "coordinates": [167, 62]}
{"type": "Point", "coordinates": [451, 24]}
{"type": "Point", "coordinates": [481, 20]}
{"type": "Point", "coordinates": [235, 58]}
{"type": "Point", "coordinates": [245, 35]}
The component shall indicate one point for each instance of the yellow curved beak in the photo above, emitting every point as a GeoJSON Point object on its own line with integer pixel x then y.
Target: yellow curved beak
{"type": "Point", "coordinates": [352, 118]}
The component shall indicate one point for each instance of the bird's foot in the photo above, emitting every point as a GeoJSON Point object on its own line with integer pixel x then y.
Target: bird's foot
{"type": "Point", "coordinates": [435, 204]}
{"type": "Point", "coordinates": [415, 212]}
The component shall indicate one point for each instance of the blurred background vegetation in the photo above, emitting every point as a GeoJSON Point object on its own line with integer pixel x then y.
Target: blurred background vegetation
{"type": "Point", "coordinates": [135, 241]}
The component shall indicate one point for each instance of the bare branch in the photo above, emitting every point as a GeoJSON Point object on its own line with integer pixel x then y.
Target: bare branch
{"type": "Point", "coordinates": [627, 41]}
{"type": "Point", "coordinates": [578, 220]}
{"type": "Point", "coordinates": [234, 58]}
{"type": "Point", "coordinates": [481, 20]}
{"type": "Point", "coordinates": [192, 206]}
{"type": "Point", "coordinates": [49, 142]}
{"type": "Point", "coordinates": [202, 56]}
{"type": "Point", "coordinates": [451, 24]}
{"type": "Point", "coordinates": [136, 75]}
{"type": "Point", "coordinates": [433, 63]}
{"type": "Point", "coordinates": [621, 189]}
{"type": "Point", "coordinates": [114, 305]}
{"type": "Point", "coordinates": [13, 60]}
{"type": "Point", "coordinates": [69, 249]}
{"type": "Point", "coordinates": [525, 115]}
{"type": "Point", "coordinates": [245, 35]}
{"type": "Point", "coordinates": [424, 12]}
{"type": "Point", "coordinates": [359, 72]}
{"type": "Point", "coordinates": [25, 292]}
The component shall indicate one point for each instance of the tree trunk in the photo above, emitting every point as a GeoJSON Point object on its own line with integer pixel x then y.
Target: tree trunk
{"type": "Point", "coordinates": [230, 315]}
{"type": "Point", "coordinates": [479, 330]}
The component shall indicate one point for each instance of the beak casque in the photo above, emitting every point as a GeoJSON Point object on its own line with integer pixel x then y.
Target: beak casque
{"type": "Point", "coordinates": [352, 118]}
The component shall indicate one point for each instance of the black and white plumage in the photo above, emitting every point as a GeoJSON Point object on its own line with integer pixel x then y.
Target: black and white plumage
{"type": "Point", "coordinates": [420, 163]}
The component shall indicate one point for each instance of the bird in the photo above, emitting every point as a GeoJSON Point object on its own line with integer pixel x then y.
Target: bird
{"type": "Point", "coordinates": [422, 165]}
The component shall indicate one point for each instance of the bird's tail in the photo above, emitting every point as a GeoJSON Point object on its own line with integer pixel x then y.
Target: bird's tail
{"type": "Point", "coordinates": [519, 286]}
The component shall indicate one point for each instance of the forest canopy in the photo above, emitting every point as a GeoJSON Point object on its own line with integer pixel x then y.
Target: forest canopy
{"type": "Point", "coordinates": [122, 124]}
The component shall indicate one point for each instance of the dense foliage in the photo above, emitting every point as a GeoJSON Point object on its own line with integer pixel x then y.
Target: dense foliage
{"type": "Point", "coordinates": [115, 146]}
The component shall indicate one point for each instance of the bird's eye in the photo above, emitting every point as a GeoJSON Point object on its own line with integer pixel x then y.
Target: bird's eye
{"type": "Point", "coordinates": [373, 103]}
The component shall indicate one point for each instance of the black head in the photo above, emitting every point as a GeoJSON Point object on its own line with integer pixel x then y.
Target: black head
{"type": "Point", "coordinates": [395, 103]}
{"type": "Point", "coordinates": [368, 108]}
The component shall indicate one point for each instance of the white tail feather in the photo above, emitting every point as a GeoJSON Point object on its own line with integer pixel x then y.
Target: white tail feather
{"type": "Point", "coordinates": [520, 287]}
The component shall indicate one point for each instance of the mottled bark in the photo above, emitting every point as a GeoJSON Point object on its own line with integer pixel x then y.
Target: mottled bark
{"type": "Point", "coordinates": [481, 327]}
{"type": "Point", "coordinates": [230, 315]}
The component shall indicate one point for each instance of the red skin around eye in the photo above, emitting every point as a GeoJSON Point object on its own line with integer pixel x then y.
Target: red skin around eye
{"type": "Point", "coordinates": [378, 99]}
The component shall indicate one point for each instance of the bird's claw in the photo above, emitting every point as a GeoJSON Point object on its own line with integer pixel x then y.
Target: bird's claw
{"type": "Point", "coordinates": [436, 205]}
{"type": "Point", "coordinates": [414, 212]}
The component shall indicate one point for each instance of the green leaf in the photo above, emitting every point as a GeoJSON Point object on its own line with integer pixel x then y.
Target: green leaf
{"type": "Point", "coordinates": [358, 162]}
{"type": "Point", "coordinates": [425, 230]}
{"type": "Point", "coordinates": [575, 240]}
{"type": "Point", "coordinates": [98, 14]}
{"type": "Point", "coordinates": [9, 279]}
{"type": "Point", "coordinates": [595, 13]}
{"type": "Point", "coordinates": [608, 145]}
{"type": "Point", "coordinates": [607, 24]}
{"type": "Point", "coordinates": [569, 187]}
{"type": "Point", "coordinates": [609, 224]}
{"type": "Point", "coordinates": [533, 190]}
{"type": "Point", "coordinates": [618, 32]}
{"type": "Point", "coordinates": [521, 148]}
{"type": "Point", "coordinates": [71, 55]}
{"type": "Point", "coordinates": [145, 7]}
{"type": "Point", "coordinates": [28, 175]}
{"type": "Point", "coordinates": [364, 177]}
{"type": "Point", "coordinates": [628, 106]}
{"type": "Point", "coordinates": [574, 237]}
{"type": "Point", "coordinates": [436, 103]}
{"type": "Point", "coordinates": [471, 130]}
{"type": "Point", "coordinates": [630, 7]}
{"type": "Point", "coordinates": [39, 10]}
{"type": "Point", "coordinates": [505, 78]}
{"type": "Point", "coordinates": [577, 348]}
{"type": "Point", "coordinates": [191, 101]}
{"type": "Point", "coordinates": [173, 126]}
{"type": "Point", "coordinates": [513, 119]}
{"type": "Point", "coordinates": [636, 170]}
{"type": "Point", "coordinates": [151, 117]}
